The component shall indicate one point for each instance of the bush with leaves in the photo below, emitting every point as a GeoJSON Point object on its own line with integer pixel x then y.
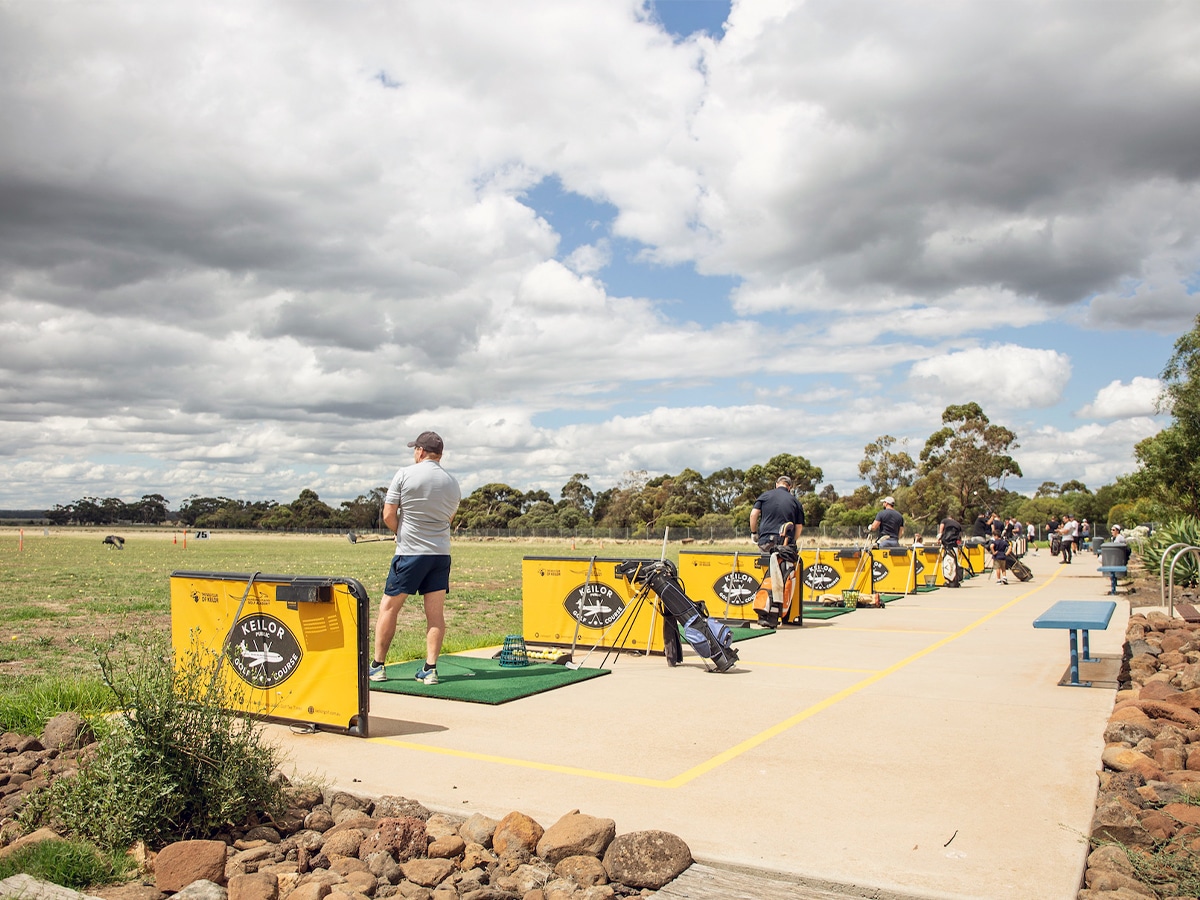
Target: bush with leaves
{"type": "Point", "coordinates": [1185, 531]}
{"type": "Point", "coordinates": [175, 763]}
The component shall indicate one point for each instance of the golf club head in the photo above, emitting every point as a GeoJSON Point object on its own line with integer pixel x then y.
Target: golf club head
{"type": "Point", "coordinates": [352, 537]}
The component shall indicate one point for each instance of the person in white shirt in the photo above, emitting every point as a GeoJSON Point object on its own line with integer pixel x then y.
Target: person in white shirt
{"type": "Point", "coordinates": [421, 502]}
{"type": "Point", "coordinates": [1069, 531]}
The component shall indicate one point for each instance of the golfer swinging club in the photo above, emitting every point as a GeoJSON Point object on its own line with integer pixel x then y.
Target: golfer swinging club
{"type": "Point", "coordinates": [421, 500]}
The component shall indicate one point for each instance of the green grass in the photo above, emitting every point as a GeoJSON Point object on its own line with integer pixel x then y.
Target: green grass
{"type": "Point", "coordinates": [27, 703]}
{"type": "Point", "coordinates": [72, 864]}
{"type": "Point", "coordinates": [62, 590]}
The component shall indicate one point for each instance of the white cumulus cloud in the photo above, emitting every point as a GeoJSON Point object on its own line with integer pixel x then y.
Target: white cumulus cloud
{"type": "Point", "coordinates": [1005, 376]}
{"type": "Point", "coordinates": [1120, 401]}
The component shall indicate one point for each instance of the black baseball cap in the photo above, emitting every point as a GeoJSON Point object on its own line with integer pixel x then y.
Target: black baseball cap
{"type": "Point", "coordinates": [429, 441]}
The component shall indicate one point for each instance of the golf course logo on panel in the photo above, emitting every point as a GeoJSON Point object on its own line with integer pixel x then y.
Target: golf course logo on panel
{"type": "Point", "coordinates": [878, 570]}
{"type": "Point", "coordinates": [820, 577]}
{"type": "Point", "coordinates": [736, 588]}
{"type": "Point", "coordinates": [594, 605]}
{"type": "Point", "coordinates": [263, 651]}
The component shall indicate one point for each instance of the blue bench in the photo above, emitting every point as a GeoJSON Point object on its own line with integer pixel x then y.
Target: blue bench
{"type": "Point", "coordinates": [1077, 615]}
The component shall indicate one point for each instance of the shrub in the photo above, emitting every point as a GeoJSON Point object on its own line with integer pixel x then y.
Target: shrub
{"type": "Point", "coordinates": [177, 763]}
{"type": "Point", "coordinates": [1184, 530]}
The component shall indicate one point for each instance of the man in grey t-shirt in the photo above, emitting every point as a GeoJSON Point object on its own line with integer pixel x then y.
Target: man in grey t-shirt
{"type": "Point", "coordinates": [420, 503]}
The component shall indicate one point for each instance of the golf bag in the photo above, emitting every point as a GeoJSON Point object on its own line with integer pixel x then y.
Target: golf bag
{"type": "Point", "coordinates": [1055, 544]}
{"type": "Point", "coordinates": [952, 571]}
{"type": "Point", "coordinates": [708, 637]}
{"type": "Point", "coordinates": [778, 594]}
{"type": "Point", "coordinates": [1019, 569]}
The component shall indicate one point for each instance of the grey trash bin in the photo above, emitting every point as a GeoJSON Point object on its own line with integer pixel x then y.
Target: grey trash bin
{"type": "Point", "coordinates": [1097, 543]}
{"type": "Point", "coordinates": [1114, 555]}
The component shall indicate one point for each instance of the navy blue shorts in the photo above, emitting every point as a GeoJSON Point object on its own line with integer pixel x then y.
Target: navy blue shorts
{"type": "Point", "coordinates": [418, 575]}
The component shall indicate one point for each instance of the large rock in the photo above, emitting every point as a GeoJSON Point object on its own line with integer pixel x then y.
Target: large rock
{"type": "Point", "coordinates": [517, 832]}
{"type": "Point", "coordinates": [1115, 881]}
{"type": "Point", "coordinates": [646, 859]}
{"type": "Point", "coordinates": [427, 872]}
{"type": "Point", "coordinates": [449, 847]}
{"type": "Point", "coordinates": [1110, 858]}
{"type": "Point", "coordinates": [313, 890]}
{"type": "Point", "coordinates": [343, 843]}
{"type": "Point", "coordinates": [319, 819]}
{"type": "Point", "coordinates": [1128, 730]}
{"type": "Point", "coordinates": [1124, 759]}
{"type": "Point", "coordinates": [384, 867]}
{"type": "Point", "coordinates": [1116, 820]}
{"type": "Point", "coordinates": [478, 829]}
{"type": "Point", "coordinates": [181, 863]}
{"type": "Point", "coordinates": [67, 731]}
{"type": "Point", "coordinates": [404, 838]}
{"type": "Point", "coordinates": [304, 796]}
{"type": "Point", "coordinates": [440, 825]}
{"type": "Point", "coordinates": [342, 801]}
{"type": "Point", "coordinates": [202, 890]}
{"type": "Point", "coordinates": [390, 807]}
{"type": "Point", "coordinates": [583, 870]}
{"type": "Point", "coordinates": [258, 886]}
{"type": "Point", "coordinates": [576, 834]}
{"type": "Point", "coordinates": [1159, 709]}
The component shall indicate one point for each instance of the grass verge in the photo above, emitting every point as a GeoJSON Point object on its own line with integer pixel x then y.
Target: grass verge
{"type": "Point", "coordinates": [72, 864]}
{"type": "Point", "coordinates": [27, 703]}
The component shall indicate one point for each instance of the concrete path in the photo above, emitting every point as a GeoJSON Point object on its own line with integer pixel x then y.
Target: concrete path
{"type": "Point", "coordinates": [922, 750]}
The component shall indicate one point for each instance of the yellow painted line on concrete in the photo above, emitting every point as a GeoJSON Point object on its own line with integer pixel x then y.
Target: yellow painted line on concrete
{"type": "Point", "coordinates": [775, 665]}
{"type": "Point", "coordinates": [965, 609]}
{"type": "Point", "coordinates": [763, 736]}
{"type": "Point", "coordinates": [738, 749]}
{"type": "Point", "coordinates": [525, 763]}
{"type": "Point", "coordinates": [886, 630]}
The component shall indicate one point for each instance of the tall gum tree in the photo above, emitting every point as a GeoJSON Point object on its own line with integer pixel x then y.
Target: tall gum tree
{"type": "Point", "coordinates": [964, 463]}
{"type": "Point", "coordinates": [1169, 462]}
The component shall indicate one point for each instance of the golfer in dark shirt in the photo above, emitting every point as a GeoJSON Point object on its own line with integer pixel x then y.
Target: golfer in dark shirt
{"type": "Point", "coordinates": [889, 524]}
{"type": "Point", "coordinates": [950, 532]}
{"type": "Point", "coordinates": [777, 516]}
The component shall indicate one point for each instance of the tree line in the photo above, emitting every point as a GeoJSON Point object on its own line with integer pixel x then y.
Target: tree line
{"type": "Point", "coordinates": [960, 471]}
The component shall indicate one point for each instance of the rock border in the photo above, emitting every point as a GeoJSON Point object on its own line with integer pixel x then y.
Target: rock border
{"type": "Point", "coordinates": [337, 842]}
{"type": "Point", "coordinates": [1150, 781]}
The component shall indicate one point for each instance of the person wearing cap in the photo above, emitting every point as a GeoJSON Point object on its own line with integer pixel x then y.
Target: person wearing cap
{"type": "Point", "coordinates": [421, 502]}
{"type": "Point", "coordinates": [1001, 557]}
{"type": "Point", "coordinates": [777, 516]}
{"type": "Point", "coordinates": [1118, 537]}
{"type": "Point", "coordinates": [889, 524]}
{"type": "Point", "coordinates": [1069, 531]}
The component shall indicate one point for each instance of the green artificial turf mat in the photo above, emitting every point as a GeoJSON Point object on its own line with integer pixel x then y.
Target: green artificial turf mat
{"type": "Point", "coordinates": [816, 611]}
{"type": "Point", "coordinates": [745, 632]}
{"type": "Point", "coordinates": [481, 680]}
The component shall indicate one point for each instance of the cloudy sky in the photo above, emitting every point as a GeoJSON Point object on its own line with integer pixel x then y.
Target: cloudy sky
{"type": "Point", "coordinates": [251, 248]}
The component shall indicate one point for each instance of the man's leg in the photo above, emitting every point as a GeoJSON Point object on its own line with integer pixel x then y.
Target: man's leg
{"type": "Point", "coordinates": [435, 626]}
{"type": "Point", "coordinates": [385, 628]}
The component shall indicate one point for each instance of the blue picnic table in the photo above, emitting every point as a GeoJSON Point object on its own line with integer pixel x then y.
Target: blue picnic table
{"type": "Point", "coordinates": [1076, 616]}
